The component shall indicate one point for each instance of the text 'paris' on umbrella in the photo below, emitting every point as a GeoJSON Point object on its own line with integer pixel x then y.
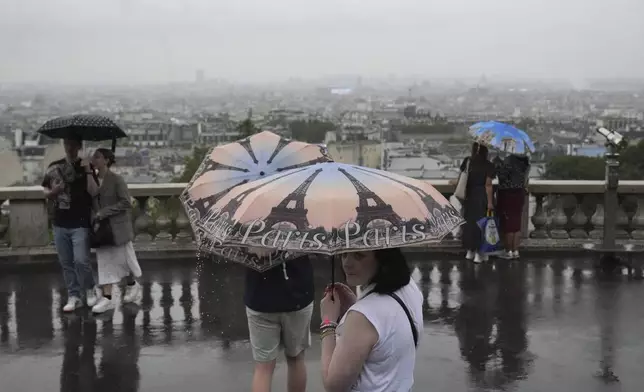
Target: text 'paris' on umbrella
{"type": "Point", "coordinates": [331, 208]}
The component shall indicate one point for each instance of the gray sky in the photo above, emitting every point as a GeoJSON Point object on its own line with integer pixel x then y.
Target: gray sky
{"type": "Point", "coordinates": [86, 41]}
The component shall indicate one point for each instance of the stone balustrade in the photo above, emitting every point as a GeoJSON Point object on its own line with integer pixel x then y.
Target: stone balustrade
{"type": "Point", "coordinates": [558, 210]}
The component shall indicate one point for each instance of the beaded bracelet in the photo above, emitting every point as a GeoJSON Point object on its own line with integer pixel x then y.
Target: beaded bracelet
{"type": "Point", "coordinates": [327, 332]}
{"type": "Point", "coordinates": [327, 328]}
{"type": "Point", "coordinates": [327, 323]}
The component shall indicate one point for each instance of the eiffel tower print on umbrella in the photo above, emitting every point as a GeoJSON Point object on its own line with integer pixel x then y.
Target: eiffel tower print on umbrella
{"type": "Point", "coordinates": [332, 208]}
{"type": "Point", "coordinates": [231, 165]}
{"type": "Point", "coordinates": [436, 210]}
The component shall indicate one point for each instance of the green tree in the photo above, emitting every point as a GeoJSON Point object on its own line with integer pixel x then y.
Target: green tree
{"type": "Point", "coordinates": [312, 131]}
{"type": "Point", "coordinates": [192, 163]}
{"type": "Point", "coordinates": [632, 162]}
{"type": "Point", "coordinates": [570, 167]}
{"type": "Point", "coordinates": [593, 168]}
{"type": "Point", "coordinates": [247, 128]}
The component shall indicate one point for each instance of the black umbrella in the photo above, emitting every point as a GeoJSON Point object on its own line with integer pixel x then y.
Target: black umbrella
{"type": "Point", "coordinates": [84, 126]}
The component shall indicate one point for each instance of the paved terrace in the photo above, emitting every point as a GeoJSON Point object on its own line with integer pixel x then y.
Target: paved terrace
{"type": "Point", "coordinates": [547, 323]}
{"type": "Point", "coordinates": [542, 324]}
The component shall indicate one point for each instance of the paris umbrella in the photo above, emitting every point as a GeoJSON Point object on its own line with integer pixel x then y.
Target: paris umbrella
{"type": "Point", "coordinates": [501, 136]}
{"type": "Point", "coordinates": [91, 127]}
{"type": "Point", "coordinates": [331, 208]}
{"type": "Point", "coordinates": [228, 166]}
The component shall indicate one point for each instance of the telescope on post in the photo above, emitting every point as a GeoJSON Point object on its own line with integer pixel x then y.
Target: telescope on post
{"type": "Point", "coordinates": [613, 138]}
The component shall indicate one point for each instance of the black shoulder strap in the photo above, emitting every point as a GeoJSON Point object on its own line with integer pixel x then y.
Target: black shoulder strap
{"type": "Point", "coordinates": [414, 331]}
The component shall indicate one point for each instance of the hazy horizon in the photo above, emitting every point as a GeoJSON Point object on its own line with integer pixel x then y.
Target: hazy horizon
{"type": "Point", "coordinates": [161, 41]}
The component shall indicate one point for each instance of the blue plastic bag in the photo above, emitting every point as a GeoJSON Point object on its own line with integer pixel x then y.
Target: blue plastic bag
{"type": "Point", "coordinates": [491, 241]}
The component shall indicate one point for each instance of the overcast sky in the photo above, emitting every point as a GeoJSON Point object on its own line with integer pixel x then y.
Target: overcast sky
{"type": "Point", "coordinates": [86, 41]}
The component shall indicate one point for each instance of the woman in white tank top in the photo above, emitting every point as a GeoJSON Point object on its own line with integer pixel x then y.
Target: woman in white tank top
{"type": "Point", "coordinates": [372, 348]}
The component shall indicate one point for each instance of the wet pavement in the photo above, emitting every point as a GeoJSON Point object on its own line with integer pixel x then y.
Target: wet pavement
{"type": "Point", "coordinates": [537, 325]}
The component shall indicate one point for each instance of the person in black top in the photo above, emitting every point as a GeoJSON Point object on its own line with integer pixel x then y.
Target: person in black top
{"type": "Point", "coordinates": [70, 184]}
{"type": "Point", "coordinates": [279, 305]}
{"type": "Point", "coordinates": [513, 173]}
{"type": "Point", "coordinates": [479, 199]}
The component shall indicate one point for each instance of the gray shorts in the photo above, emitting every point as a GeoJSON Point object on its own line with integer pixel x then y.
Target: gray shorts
{"type": "Point", "coordinates": [271, 331]}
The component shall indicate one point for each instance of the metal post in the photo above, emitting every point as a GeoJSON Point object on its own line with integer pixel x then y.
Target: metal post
{"type": "Point", "coordinates": [611, 203]}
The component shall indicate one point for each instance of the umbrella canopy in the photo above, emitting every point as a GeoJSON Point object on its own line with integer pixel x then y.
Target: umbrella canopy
{"type": "Point", "coordinates": [84, 126]}
{"type": "Point", "coordinates": [502, 136]}
{"type": "Point", "coordinates": [331, 208]}
{"type": "Point", "coordinates": [228, 166]}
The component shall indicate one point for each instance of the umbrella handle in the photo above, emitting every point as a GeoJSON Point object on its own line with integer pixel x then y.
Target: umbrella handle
{"type": "Point", "coordinates": [332, 276]}
{"type": "Point", "coordinates": [113, 144]}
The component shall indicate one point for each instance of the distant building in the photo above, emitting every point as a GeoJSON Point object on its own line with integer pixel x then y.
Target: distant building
{"type": "Point", "coordinates": [364, 153]}
{"type": "Point", "coordinates": [588, 151]}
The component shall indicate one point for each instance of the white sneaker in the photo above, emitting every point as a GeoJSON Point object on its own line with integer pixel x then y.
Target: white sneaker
{"type": "Point", "coordinates": [103, 305]}
{"type": "Point", "coordinates": [515, 254]}
{"type": "Point", "coordinates": [469, 255]}
{"type": "Point", "coordinates": [508, 254]}
{"type": "Point", "coordinates": [132, 293]}
{"type": "Point", "coordinates": [73, 303]}
{"type": "Point", "coordinates": [91, 298]}
{"type": "Point", "coordinates": [477, 258]}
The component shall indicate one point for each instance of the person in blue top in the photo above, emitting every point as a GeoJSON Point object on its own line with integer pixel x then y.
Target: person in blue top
{"type": "Point", "coordinates": [279, 305]}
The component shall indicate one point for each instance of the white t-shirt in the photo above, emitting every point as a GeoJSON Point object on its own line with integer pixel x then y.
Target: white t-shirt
{"type": "Point", "coordinates": [390, 365]}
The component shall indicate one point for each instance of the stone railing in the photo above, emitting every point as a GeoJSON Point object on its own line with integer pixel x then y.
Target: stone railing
{"type": "Point", "coordinates": [558, 210]}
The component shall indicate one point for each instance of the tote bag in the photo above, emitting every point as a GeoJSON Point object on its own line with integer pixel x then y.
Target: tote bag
{"type": "Point", "coordinates": [461, 185]}
{"type": "Point", "coordinates": [491, 241]}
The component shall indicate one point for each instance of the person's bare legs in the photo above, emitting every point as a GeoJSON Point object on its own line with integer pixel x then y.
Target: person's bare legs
{"type": "Point", "coordinates": [516, 241]}
{"type": "Point", "coordinates": [296, 373]}
{"type": "Point", "coordinates": [107, 290]}
{"type": "Point", "coordinates": [508, 241]}
{"type": "Point", "coordinates": [263, 376]}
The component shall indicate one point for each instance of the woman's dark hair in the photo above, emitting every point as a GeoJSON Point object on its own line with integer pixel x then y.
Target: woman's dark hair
{"type": "Point", "coordinates": [393, 271]}
{"type": "Point", "coordinates": [108, 155]}
{"type": "Point", "coordinates": [522, 158]}
{"type": "Point", "coordinates": [479, 152]}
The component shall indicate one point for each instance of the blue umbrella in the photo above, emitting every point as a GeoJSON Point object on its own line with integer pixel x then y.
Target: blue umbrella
{"type": "Point", "coordinates": [502, 136]}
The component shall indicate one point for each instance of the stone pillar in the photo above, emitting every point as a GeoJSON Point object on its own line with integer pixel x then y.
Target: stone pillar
{"type": "Point", "coordinates": [637, 222]}
{"type": "Point", "coordinates": [143, 221]}
{"type": "Point", "coordinates": [597, 221]}
{"type": "Point", "coordinates": [579, 219]}
{"type": "Point", "coordinates": [163, 220]}
{"type": "Point", "coordinates": [29, 223]}
{"type": "Point", "coordinates": [4, 229]}
{"type": "Point", "coordinates": [525, 217]}
{"type": "Point", "coordinates": [539, 219]}
{"type": "Point", "coordinates": [559, 220]}
{"type": "Point", "coordinates": [622, 221]}
{"type": "Point", "coordinates": [183, 229]}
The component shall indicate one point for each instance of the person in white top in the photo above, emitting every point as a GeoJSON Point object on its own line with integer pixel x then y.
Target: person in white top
{"type": "Point", "coordinates": [369, 343]}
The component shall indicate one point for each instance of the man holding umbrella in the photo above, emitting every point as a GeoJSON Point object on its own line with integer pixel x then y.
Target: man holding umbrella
{"type": "Point", "coordinates": [71, 184]}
